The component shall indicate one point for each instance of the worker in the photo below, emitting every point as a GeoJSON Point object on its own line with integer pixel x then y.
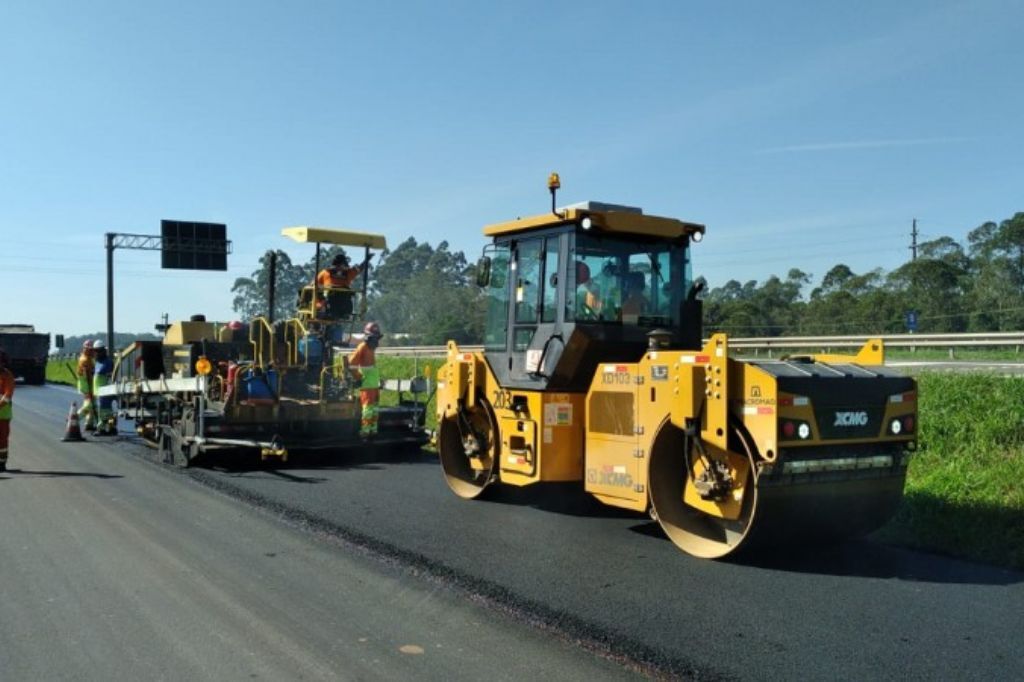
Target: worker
{"type": "Point", "coordinates": [107, 425]}
{"type": "Point", "coordinates": [337, 275]}
{"type": "Point", "coordinates": [83, 378]}
{"type": "Point", "coordinates": [588, 298]}
{"type": "Point", "coordinates": [362, 361]}
{"type": "Point", "coordinates": [635, 303]}
{"type": "Point", "coordinates": [6, 407]}
{"type": "Point", "coordinates": [232, 332]}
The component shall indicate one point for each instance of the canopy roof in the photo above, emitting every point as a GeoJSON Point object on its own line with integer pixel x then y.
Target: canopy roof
{"type": "Point", "coordinates": [627, 222]}
{"type": "Point", "coordinates": [329, 235]}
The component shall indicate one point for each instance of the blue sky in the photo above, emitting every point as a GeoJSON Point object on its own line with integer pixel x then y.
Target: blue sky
{"type": "Point", "coordinates": [802, 134]}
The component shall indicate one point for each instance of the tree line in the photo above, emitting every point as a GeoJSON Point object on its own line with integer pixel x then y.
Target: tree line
{"type": "Point", "coordinates": [977, 286]}
{"type": "Point", "coordinates": [428, 294]}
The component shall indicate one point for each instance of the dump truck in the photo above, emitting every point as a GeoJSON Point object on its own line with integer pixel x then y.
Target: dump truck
{"type": "Point", "coordinates": [266, 385]}
{"type": "Point", "coordinates": [27, 350]}
{"type": "Point", "coordinates": [594, 370]}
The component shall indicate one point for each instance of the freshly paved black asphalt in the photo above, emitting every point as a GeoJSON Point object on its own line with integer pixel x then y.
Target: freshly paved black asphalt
{"type": "Point", "coordinates": [860, 610]}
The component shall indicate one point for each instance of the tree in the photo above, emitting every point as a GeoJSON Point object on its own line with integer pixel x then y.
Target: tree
{"type": "Point", "coordinates": [996, 297]}
{"type": "Point", "coordinates": [251, 293]}
{"type": "Point", "coordinates": [935, 285]}
{"type": "Point", "coordinates": [428, 294]}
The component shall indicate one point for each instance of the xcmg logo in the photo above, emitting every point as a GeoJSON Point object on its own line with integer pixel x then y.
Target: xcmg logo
{"type": "Point", "coordinates": [851, 419]}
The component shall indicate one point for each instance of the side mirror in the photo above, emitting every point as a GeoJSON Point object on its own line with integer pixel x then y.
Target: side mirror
{"type": "Point", "coordinates": [695, 290]}
{"type": "Point", "coordinates": [59, 341]}
{"type": "Point", "coordinates": [483, 271]}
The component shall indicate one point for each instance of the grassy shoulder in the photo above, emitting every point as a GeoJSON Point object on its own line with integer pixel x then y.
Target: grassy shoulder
{"type": "Point", "coordinates": [60, 372]}
{"type": "Point", "coordinates": [965, 488]}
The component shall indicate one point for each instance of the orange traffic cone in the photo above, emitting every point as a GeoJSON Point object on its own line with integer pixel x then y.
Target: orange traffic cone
{"type": "Point", "coordinates": [72, 433]}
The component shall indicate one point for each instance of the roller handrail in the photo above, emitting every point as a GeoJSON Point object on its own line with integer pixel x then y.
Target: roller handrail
{"type": "Point", "coordinates": [257, 329]}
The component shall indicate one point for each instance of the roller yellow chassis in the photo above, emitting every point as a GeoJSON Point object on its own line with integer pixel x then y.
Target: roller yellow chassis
{"type": "Point", "coordinates": [606, 436]}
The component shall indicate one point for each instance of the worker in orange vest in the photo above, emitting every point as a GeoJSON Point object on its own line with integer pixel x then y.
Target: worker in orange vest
{"type": "Point", "coordinates": [6, 408]}
{"type": "Point", "coordinates": [338, 275]}
{"type": "Point", "coordinates": [363, 363]}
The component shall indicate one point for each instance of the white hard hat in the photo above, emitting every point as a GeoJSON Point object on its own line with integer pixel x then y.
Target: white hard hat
{"type": "Point", "coordinates": [97, 345]}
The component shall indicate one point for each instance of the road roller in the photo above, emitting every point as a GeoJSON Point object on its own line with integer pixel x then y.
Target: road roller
{"type": "Point", "coordinates": [595, 369]}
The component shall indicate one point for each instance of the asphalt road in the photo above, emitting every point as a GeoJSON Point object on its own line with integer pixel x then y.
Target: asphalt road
{"type": "Point", "coordinates": [116, 569]}
{"type": "Point", "coordinates": [555, 559]}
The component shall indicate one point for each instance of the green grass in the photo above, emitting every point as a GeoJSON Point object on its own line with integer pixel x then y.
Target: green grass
{"type": "Point", "coordinates": [61, 371]}
{"type": "Point", "coordinates": [1005, 354]}
{"type": "Point", "coordinates": [407, 368]}
{"type": "Point", "coordinates": [965, 488]}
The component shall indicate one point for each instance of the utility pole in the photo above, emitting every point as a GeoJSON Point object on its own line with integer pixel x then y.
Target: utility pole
{"type": "Point", "coordinates": [913, 241]}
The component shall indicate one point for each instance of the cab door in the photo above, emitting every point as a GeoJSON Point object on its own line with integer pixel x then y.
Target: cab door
{"type": "Point", "coordinates": [613, 455]}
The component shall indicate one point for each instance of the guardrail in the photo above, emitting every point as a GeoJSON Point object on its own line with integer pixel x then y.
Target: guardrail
{"type": "Point", "coordinates": [770, 344]}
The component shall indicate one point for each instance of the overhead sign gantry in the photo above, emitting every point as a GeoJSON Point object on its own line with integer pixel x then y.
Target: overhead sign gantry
{"type": "Point", "coordinates": [184, 245]}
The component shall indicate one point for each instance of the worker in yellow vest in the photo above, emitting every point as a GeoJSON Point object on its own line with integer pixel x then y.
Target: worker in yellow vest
{"type": "Point", "coordinates": [83, 380]}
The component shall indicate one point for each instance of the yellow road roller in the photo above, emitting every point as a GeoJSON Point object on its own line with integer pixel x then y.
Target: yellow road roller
{"type": "Point", "coordinates": [595, 369]}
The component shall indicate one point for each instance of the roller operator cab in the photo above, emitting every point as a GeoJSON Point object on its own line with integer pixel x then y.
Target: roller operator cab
{"type": "Point", "coordinates": [594, 370]}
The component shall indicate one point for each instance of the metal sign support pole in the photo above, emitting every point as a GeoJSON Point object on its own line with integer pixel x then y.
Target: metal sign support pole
{"type": "Point", "coordinates": [110, 292]}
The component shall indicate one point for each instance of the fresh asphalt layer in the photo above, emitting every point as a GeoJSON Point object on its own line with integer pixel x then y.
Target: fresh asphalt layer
{"type": "Point", "coordinates": [608, 579]}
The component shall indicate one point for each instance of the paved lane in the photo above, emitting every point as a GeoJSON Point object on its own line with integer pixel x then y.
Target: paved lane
{"type": "Point", "coordinates": [858, 611]}
{"type": "Point", "coordinates": [117, 569]}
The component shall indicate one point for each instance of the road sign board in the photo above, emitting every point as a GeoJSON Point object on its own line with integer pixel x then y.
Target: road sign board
{"type": "Point", "coordinates": [189, 245]}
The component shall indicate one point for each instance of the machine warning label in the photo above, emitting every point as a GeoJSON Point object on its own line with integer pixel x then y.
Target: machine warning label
{"type": "Point", "coordinates": [558, 414]}
{"type": "Point", "coordinates": [659, 373]}
{"type": "Point", "coordinates": [610, 475]}
{"type": "Point", "coordinates": [615, 374]}
{"type": "Point", "coordinates": [549, 435]}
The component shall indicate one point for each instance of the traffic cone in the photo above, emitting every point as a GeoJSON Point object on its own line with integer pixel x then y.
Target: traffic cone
{"type": "Point", "coordinates": [71, 432]}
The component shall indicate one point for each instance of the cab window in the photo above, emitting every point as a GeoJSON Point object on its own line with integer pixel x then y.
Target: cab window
{"type": "Point", "coordinates": [528, 280]}
{"type": "Point", "coordinates": [628, 281]}
{"type": "Point", "coordinates": [496, 330]}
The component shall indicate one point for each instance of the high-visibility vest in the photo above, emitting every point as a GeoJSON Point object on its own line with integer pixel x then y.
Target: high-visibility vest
{"type": "Point", "coordinates": [7, 389]}
{"type": "Point", "coordinates": [86, 367]}
{"type": "Point", "coordinates": [371, 375]}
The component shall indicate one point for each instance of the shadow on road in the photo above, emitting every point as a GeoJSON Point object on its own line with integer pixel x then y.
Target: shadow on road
{"type": "Point", "coordinates": [861, 558]}
{"type": "Point", "coordinates": [242, 462]}
{"type": "Point", "coordinates": [868, 559]}
{"type": "Point", "coordinates": [560, 498]}
{"type": "Point", "coordinates": [25, 473]}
